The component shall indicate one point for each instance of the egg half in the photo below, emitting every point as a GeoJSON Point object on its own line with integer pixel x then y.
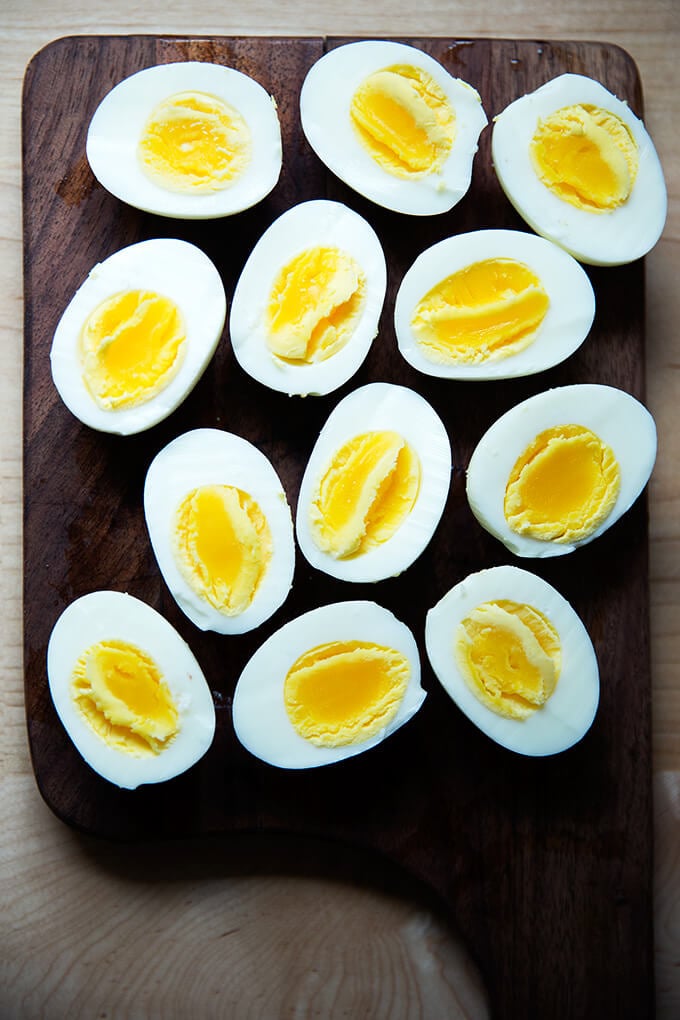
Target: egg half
{"type": "Point", "coordinates": [128, 690]}
{"type": "Point", "coordinates": [328, 685]}
{"type": "Point", "coordinates": [308, 301]}
{"type": "Point", "coordinates": [188, 140]}
{"type": "Point", "coordinates": [492, 304]}
{"type": "Point", "coordinates": [516, 659]}
{"type": "Point", "coordinates": [221, 530]}
{"type": "Point", "coordinates": [392, 123]}
{"type": "Point", "coordinates": [582, 170]}
{"type": "Point", "coordinates": [375, 485]}
{"type": "Point", "coordinates": [560, 468]}
{"type": "Point", "coordinates": [138, 334]}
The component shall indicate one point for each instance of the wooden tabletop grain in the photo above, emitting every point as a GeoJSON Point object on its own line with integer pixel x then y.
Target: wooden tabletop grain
{"type": "Point", "coordinates": [242, 927]}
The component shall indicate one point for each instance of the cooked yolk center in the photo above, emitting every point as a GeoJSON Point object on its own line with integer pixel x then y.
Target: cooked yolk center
{"type": "Point", "coordinates": [194, 142]}
{"type": "Point", "coordinates": [586, 156]}
{"type": "Point", "coordinates": [404, 120]}
{"type": "Point", "coordinates": [122, 695]}
{"type": "Point", "coordinates": [315, 305]}
{"type": "Point", "coordinates": [563, 486]}
{"type": "Point", "coordinates": [344, 692]}
{"type": "Point", "coordinates": [510, 656]}
{"type": "Point", "coordinates": [486, 311]}
{"type": "Point", "coordinates": [131, 346]}
{"type": "Point", "coordinates": [222, 545]}
{"type": "Point", "coordinates": [365, 493]}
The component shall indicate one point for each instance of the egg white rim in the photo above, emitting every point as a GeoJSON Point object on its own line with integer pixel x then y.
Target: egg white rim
{"type": "Point", "coordinates": [347, 66]}
{"type": "Point", "coordinates": [566, 324]}
{"type": "Point", "coordinates": [214, 457]}
{"type": "Point", "coordinates": [282, 745]}
{"type": "Point", "coordinates": [119, 120]}
{"type": "Point", "coordinates": [577, 693]}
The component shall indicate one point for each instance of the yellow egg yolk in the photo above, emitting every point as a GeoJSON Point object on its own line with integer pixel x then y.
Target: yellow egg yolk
{"type": "Point", "coordinates": [222, 546]}
{"type": "Point", "coordinates": [315, 305]}
{"type": "Point", "coordinates": [563, 486]}
{"type": "Point", "coordinates": [486, 311]}
{"type": "Point", "coordinates": [365, 493]}
{"type": "Point", "coordinates": [586, 156]}
{"type": "Point", "coordinates": [194, 142]}
{"type": "Point", "coordinates": [344, 692]}
{"type": "Point", "coordinates": [123, 697]}
{"type": "Point", "coordinates": [131, 347]}
{"type": "Point", "coordinates": [404, 120]}
{"type": "Point", "coordinates": [510, 657]}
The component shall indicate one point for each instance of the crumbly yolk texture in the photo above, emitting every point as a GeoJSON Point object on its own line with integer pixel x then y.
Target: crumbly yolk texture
{"type": "Point", "coordinates": [563, 486]}
{"type": "Point", "coordinates": [131, 347]}
{"type": "Point", "coordinates": [121, 693]}
{"type": "Point", "coordinates": [222, 546]}
{"type": "Point", "coordinates": [315, 305]}
{"type": "Point", "coordinates": [404, 120]}
{"type": "Point", "coordinates": [486, 311]}
{"type": "Point", "coordinates": [365, 493]}
{"type": "Point", "coordinates": [586, 156]}
{"type": "Point", "coordinates": [510, 656]}
{"type": "Point", "coordinates": [194, 142]}
{"type": "Point", "coordinates": [344, 692]}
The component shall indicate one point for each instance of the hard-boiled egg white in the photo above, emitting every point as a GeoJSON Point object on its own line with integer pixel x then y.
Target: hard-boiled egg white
{"type": "Point", "coordinates": [188, 140]}
{"type": "Point", "coordinates": [128, 689]}
{"type": "Point", "coordinates": [138, 334]}
{"type": "Point", "coordinates": [516, 659]}
{"type": "Point", "coordinates": [492, 304]}
{"type": "Point", "coordinates": [375, 485]}
{"type": "Point", "coordinates": [581, 169]}
{"type": "Point", "coordinates": [221, 530]}
{"type": "Point", "coordinates": [560, 468]}
{"type": "Point", "coordinates": [308, 301]}
{"type": "Point", "coordinates": [392, 123]}
{"type": "Point", "coordinates": [328, 685]}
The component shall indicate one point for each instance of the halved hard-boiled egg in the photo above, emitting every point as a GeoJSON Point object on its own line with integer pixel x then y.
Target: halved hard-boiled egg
{"type": "Point", "coordinates": [560, 468]}
{"type": "Point", "coordinates": [392, 123]}
{"type": "Point", "coordinates": [189, 140]}
{"type": "Point", "coordinates": [221, 530]}
{"type": "Point", "coordinates": [128, 689]}
{"type": "Point", "coordinates": [328, 685]}
{"type": "Point", "coordinates": [308, 301]}
{"type": "Point", "coordinates": [138, 334]}
{"type": "Point", "coordinates": [492, 304]}
{"type": "Point", "coordinates": [582, 170]}
{"type": "Point", "coordinates": [516, 659]}
{"type": "Point", "coordinates": [375, 485]}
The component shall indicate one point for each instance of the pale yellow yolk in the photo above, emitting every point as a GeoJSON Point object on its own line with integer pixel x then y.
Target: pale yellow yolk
{"type": "Point", "coordinates": [563, 486]}
{"type": "Point", "coordinates": [122, 695]}
{"type": "Point", "coordinates": [131, 347]}
{"type": "Point", "coordinates": [315, 305]}
{"type": "Point", "coordinates": [345, 692]}
{"type": "Point", "coordinates": [366, 492]}
{"type": "Point", "coordinates": [586, 156]}
{"type": "Point", "coordinates": [404, 120]}
{"type": "Point", "coordinates": [194, 142]}
{"type": "Point", "coordinates": [510, 656]}
{"type": "Point", "coordinates": [222, 546]}
{"type": "Point", "coordinates": [486, 311]}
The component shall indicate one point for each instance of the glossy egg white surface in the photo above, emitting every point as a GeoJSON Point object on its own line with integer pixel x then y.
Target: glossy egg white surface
{"type": "Point", "coordinates": [173, 268]}
{"type": "Point", "coordinates": [120, 118]}
{"type": "Point", "coordinates": [569, 712]}
{"type": "Point", "coordinates": [214, 457]}
{"type": "Point", "coordinates": [110, 614]}
{"type": "Point", "coordinates": [260, 719]}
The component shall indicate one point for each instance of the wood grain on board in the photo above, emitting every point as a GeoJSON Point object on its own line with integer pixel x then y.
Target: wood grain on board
{"type": "Point", "coordinates": [544, 865]}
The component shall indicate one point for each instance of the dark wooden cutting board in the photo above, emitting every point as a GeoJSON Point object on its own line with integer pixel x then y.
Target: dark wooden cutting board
{"type": "Point", "coordinates": [543, 864]}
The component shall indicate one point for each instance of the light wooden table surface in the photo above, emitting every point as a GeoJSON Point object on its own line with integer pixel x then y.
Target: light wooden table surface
{"type": "Point", "coordinates": [88, 930]}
